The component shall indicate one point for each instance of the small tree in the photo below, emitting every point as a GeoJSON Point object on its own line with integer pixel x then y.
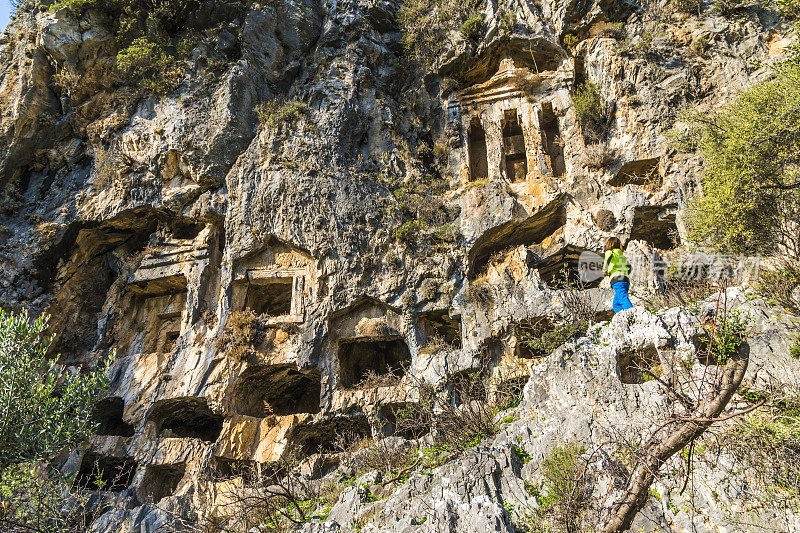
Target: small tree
{"type": "Point", "coordinates": [751, 183]}
{"type": "Point", "coordinates": [43, 408]}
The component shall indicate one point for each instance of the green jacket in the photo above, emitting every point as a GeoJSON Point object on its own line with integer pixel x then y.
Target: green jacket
{"type": "Point", "coordinates": [615, 264]}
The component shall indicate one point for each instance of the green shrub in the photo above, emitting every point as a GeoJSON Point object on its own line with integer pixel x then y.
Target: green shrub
{"type": "Point", "coordinates": [590, 111]}
{"type": "Point", "coordinates": [768, 447]}
{"type": "Point", "coordinates": [794, 351]}
{"type": "Point", "coordinates": [543, 343]}
{"type": "Point", "coordinates": [778, 284]}
{"type": "Point", "coordinates": [472, 28]}
{"type": "Point", "coordinates": [564, 484]}
{"type": "Point", "coordinates": [149, 65]}
{"type": "Point", "coordinates": [277, 113]}
{"type": "Point", "coordinates": [751, 186]}
{"type": "Point", "coordinates": [154, 39]}
{"type": "Point", "coordinates": [45, 409]}
{"type": "Point", "coordinates": [426, 24]}
{"type": "Point", "coordinates": [722, 341]}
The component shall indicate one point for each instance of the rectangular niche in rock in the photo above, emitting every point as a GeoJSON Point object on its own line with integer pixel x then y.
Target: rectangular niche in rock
{"type": "Point", "coordinates": [439, 326]}
{"type": "Point", "coordinates": [369, 363]}
{"type": "Point", "coordinates": [186, 417]}
{"type": "Point", "coordinates": [276, 281]}
{"type": "Point", "coordinates": [106, 473]}
{"type": "Point", "coordinates": [402, 420]}
{"type": "Point", "coordinates": [563, 270]}
{"type": "Point", "coordinates": [280, 390]}
{"type": "Point", "coordinates": [551, 140]}
{"type": "Point", "coordinates": [514, 155]}
{"type": "Point", "coordinates": [107, 413]}
{"type": "Point", "coordinates": [158, 308]}
{"type": "Point", "coordinates": [476, 145]}
{"type": "Point", "coordinates": [639, 366]}
{"type": "Point", "coordinates": [160, 481]}
{"type": "Point", "coordinates": [270, 296]}
{"type": "Point", "coordinates": [330, 435]}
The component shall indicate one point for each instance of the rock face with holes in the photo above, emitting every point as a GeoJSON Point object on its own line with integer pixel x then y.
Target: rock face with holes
{"type": "Point", "coordinates": [279, 285]}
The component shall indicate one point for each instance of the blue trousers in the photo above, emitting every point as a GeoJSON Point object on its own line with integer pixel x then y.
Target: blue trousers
{"type": "Point", "coordinates": [621, 300]}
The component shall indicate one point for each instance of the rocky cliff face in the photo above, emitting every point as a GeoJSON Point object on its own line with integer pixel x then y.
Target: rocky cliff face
{"type": "Point", "coordinates": [250, 272]}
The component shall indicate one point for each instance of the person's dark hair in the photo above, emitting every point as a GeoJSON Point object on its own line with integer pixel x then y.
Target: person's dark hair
{"type": "Point", "coordinates": [613, 243]}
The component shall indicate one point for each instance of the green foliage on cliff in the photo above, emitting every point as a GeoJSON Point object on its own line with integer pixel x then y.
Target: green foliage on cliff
{"type": "Point", "coordinates": [426, 25]}
{"type": "Point", "coordinates": [155, 37]}
{"type": "Point", "coordinates": [751, 184]}
{"type": "Point", "coordinates": [43, 409]}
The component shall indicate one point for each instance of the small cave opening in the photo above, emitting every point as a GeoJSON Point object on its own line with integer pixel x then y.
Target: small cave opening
{"type": "Point", "coordinates": [551, 140]}
{"type": "Point", "coordinates": [273, 298]}
{"type": "Point", "coordinates": [105, 473]}
{"type": "Point", "coordinates": [439, 326]}
{"type": "Point", "coordinates": [362, 359]}
{"type": "Point", "coordinates": [478, 153]}
{"type": "Point", "coordinates": [330, 436]}
{"type": "Point", "coordinates": [107, 413]}
{"type": "Point", "coordinates": [508, 392]}
{"type": "Point", "coordinates": [656, 225]}
{"type": "Point", "coordinates": [467, 386]}
{"type": "Point", "coordinates": [160, 481]}
{"type": "Point", "coordinates": [186, 418]}
{"type": "Point", "coordinates": [277, 389]}
{"type": "Point", "coordinates": [639, 366]}
{"type": "Point", "coordinates": [249, 470]}
{"type": "Point", "coordinates": [186, 229]}
{"type": "Point", "coordinates": [534, 338]}
{"type": "Point", "coordinates": [514, 155]}
{"type": "Point", "coordinates": [389, 414]}
{"type": "Point", "coordinates": [571, 267]}
{"type": "Point", "coordinates": [638, 172]}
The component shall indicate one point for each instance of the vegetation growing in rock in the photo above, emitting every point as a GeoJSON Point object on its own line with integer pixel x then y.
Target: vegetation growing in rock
{"type": "Point", "coordinates": [45, 409]}
{"type": "Point", "coordinates": [564, 487]}
{"type": "Point", "coordinates": [281, 113]}
{"type": "Point", "coordinates": [472, 28]}
{"type": "Point", "coordinates": [751, 187]}
{"type": "Point", "coordinates": [155, 39]}
{"type": "Point", "coordinates": [427, 23]}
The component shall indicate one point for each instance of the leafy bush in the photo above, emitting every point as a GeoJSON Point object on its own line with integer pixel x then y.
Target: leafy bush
{"type": "Point", "coordinates": [276, 113]}
{"type": "Point", "coordinates": [45, 408]}
{"type": "Point", "coordinates": [472, 29]}
{"type": "Point", "coordinates": [778, 284]}
{"type": "Point", "coordinates": [591, 113]}
{"type": "Point", "coordinates": [543, 344]}
{"type": "Point", "coordinates": [426, 23]}
{"type": "Point", "coordinates": [751, 186]}
{"type": "Point", "coordinates": [722, 341]}
{"type": "Point", "coordinates": [768, 447]}
{"type": "Point", "coordinates": [36, 498]}
{"type": "Point", "coordinates": [155, 39]}
{"type": "Point", "coordinates": [148, 64]}
{"type": "Point", "coordinates": [565, 488]}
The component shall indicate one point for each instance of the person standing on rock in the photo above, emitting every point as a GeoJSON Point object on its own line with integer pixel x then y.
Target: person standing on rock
{"type": "Point", "coordinates": [615, 265]}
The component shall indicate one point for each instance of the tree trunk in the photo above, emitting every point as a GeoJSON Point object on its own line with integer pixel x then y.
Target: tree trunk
{"type": "Point", "coordinates": [679, 434]}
